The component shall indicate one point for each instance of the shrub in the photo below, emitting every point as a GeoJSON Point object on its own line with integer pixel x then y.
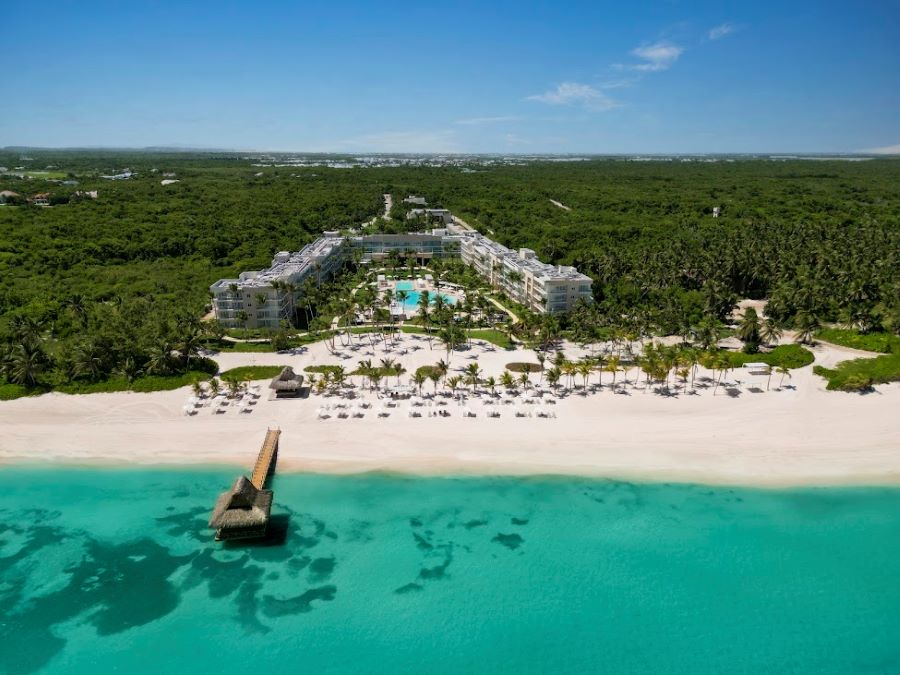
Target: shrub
{"type": "Point", "coordinates": [871, 342]}
{"type": "Point", "coordinates": [861, 374]}
{"type": "Point", "coordinates": [519, 367]}
{"type": "Point", "coordinates": [243, 373]}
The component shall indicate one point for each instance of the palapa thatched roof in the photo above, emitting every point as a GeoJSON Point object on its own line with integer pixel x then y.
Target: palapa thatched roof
{"type": "Point", "coordinates": [242, 506]}
{"type": "Point", "coordinates": [286, 380]}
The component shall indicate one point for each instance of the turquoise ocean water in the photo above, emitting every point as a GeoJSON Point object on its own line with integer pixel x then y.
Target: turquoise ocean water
{"type": "Point", "coordinates": [114, 571]}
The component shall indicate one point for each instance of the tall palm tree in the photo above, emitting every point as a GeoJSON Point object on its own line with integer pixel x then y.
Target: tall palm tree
{"type": "Point", "coordinates": [507, 381]}
{"type": "Point", "coordinates": [553, 375]}
{"type": "Point", "coordinates": [26, 363]}
{"type": "Point", "coordinates": [612, 367]}
{"type": "Point", "coordinates": [749, 331]}
{"type": "Point", "coordinates": [491, 383]}
{"type": "Point", "coordinates": [419, 379]}
{"type": "Point", "coordinates": [784, 371]}
{"type": "Point", "coordinates": [472, 373]}
{"type": "Point", "coordinates": [76, 304]}
{"type": "Point", "coordinates": [806, 325]}
{"type": "Point", "coordinates": [584, 368]}
{"type": "Point", "coordinates": [435, 376]}
{"type": "Point", "coordinates": [770, 332]}
{"type": "Point", "coordinates": [425, 312]}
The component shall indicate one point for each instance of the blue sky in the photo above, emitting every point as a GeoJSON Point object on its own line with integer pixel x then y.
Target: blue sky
{"type": "Point", "coordinates": [576, 77]}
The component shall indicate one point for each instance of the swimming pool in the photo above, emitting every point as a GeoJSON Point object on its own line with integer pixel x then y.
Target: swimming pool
{"type": "Point", "coordinates": [412, 296]}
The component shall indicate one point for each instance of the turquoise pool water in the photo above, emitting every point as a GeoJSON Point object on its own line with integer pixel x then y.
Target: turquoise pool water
{"type": "Point", "coordinates": [114, 570]}
{"type": "Point", "coordinates": [412, 300]}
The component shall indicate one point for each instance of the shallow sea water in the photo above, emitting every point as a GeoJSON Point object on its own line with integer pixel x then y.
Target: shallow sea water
{"type": "Point", "coordinates": [114, 570]}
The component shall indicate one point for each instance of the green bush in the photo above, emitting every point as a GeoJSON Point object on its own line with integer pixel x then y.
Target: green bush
{"type": "Point", "coordinates": [787, 356]}
{"type": "Point", "coordinates": [861, 374]}
{"type": "Point", "coordinates": [519, 367]}
{"type": "Point", "coordinates": [883, 342]}
{"type": "Point", "coordinates": [243, 373]}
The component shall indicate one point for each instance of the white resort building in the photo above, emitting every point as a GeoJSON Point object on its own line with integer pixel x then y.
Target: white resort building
{"type": "Point", "coordinates": [265, 298]}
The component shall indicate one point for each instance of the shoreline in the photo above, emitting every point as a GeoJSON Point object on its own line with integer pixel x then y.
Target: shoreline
{"type": "Point", "coordinates": [798, 436]}
{"type": "Point", "coordinates": [452, 471]}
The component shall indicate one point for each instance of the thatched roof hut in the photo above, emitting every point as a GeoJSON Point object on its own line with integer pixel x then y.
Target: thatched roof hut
{"type": "Point", "coordinates": [287, 382]}
{"type": "Point", "coordinates": [241, 512]}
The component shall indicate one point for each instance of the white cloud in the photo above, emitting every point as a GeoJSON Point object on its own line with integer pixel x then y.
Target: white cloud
{"type": "Point", "coordinates": [403, 141]}
{"type": "Point", "coordinates": [573, 93]}
{"type": "Point", "coordinates": [475, 121]}
{"type": "Point", "coordinates": [720, 31]}
{"type": "Point", "coordinates": [657, 56]}
{"type": "Point", "coordinates": [885, 150]}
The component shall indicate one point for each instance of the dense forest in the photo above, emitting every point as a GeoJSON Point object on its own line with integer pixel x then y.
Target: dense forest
{"type": "Point", "coordinates": [820, 239]}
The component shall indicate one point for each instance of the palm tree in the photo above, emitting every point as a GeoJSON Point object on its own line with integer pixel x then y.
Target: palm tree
{"type": "Point", "coordinates": [197, 388]}
{"type": "Point", "coordinates": [364, 369]}
{"type": "Point", "coordinates": [553, 375]}
{"type": "Point", "coordinates": [569, 370]}
{"type": "Point", "coordinates": [419, 378]}
{"type": "Point", "coordinates": [770, 332]}
{"type": "Point", "coordinates": [453, 382]}
{"type": "Point", "coordinates": [806, 325]}
{"type": "Point", "coordinates": [131, 370]}
{"type": "Point", "coordinates": [472, 373]}
{"type": "Point", "coordinates": [491, 383]}
{"type": "Point", "coordinates": [26, 362]}
{"type": "Point", "coordinates": [524, 380]}
{"type": "Point", "coordinates": [424, 311]}
{"type": "Point", "coordinates": [541, 359]}
{"type": "Point", "coordinates": [507, 381]}
{"type": "Point", "coordinates": [749, 331]}
{"type": "Point", "coordinates": [435, 376]}
{"type": "Point", "coordinates": [612, 366]}
{"type": "Point", "coordinates": [214, 386]}
{"type": "Point", "coordinates": [76, 304]}
{"type": "Point", "coordinates": [442, 367]}
{"type": "Point", "coordinates": [784, 371]}
{"type": "Point", "coordinates": [234, 386]}
{"type": "Point", "coordinates": [584, 368]}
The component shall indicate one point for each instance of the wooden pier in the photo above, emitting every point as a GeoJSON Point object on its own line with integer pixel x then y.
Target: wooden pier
{"type": "Point", "coordinates": [243, 511]}
{"type": "Point", "coordinates": [265, 461]}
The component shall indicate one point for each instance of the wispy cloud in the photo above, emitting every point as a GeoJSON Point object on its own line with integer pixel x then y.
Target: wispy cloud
{"type": "Point", "coordinates": [654, 57]}
{"type": "Point", "coordinates": [576, 94]}
{"type": "Point", "coordinates": [475, 121]}
{"type": "Point", "coordinates": [884, 150]}
{"type": "Point", "coordinates": [720, 31]}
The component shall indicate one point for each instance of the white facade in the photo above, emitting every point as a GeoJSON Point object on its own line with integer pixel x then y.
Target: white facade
{"type": "Point", "coordinates": [544, 288]}
{"type": "Point", "coordinates": [258, 299]}
{"type": "Point", "coordinates": [252, 301]}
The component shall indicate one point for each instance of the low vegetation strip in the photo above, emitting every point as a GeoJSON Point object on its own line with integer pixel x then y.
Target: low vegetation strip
{"type": "Point", "coordinates": [785, 356]}
{"type": "Point", "coordinates": [520, 367]}
{"type": "Point", "coordinates": [883, 342]}
{"type": "Point", "coordinates": [244, 373]}
{"type": "Point", "coordinates": [862, 374]}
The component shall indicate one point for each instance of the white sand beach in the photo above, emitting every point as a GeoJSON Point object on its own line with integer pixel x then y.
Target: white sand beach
{"type": "Point", "coordinates": [797, 435]}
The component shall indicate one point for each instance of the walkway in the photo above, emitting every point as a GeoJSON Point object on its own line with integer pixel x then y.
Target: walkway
{"type": "Point", "coordinates": [265, 459]}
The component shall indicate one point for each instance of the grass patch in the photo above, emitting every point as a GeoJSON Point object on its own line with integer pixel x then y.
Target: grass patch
{"type": "Point", "coordinates": [520, 367]}
{"type": "Point", "coordinates": [861, 374]}
{"type": "Point", "coordinates": [322, 369]}
{"type": "Point", "coordinates": [244, 373]}
{"type": "Point", "coordinates": [787, 356]}
{"type": "Point", "coordinates": [425, 370]}
{"type": "Point", "coordinates": [883, 342]}
{"type": "Point", "coordinates": [493, 336]}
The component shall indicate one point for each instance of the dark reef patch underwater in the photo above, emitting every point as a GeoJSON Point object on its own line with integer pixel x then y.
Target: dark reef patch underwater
{"type": "Point", "coordinates": [103, 569]}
